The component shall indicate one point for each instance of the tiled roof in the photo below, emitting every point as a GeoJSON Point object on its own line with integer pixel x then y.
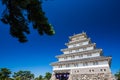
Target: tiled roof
{"type": "Point", "coordinates": [77, 53]}
{"type": "Point", "coordinates": [82, 60]}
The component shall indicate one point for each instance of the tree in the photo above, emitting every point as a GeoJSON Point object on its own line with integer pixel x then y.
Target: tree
{"type": "Point", "coordinates": [19, 13]}
{"type": "Point", "coordinates": [47, 75]}
{"type": "Point", "coordinates": [4, 74]}
{"type": "Point", "coordinates": [39, 78]}
{"type": "Point", "coordinates": [23, 75]}
{"type": "Point", "coordinates": [118, 75]}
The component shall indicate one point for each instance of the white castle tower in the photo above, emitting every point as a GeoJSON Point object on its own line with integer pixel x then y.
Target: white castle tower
{"type": "Point", "coordinates": [81, 61]}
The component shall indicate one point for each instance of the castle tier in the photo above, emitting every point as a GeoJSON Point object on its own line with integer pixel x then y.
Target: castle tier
{"type": "Point", "coordinates": [81, 61]}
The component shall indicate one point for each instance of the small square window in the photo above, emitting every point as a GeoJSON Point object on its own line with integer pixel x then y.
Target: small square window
{"type": "Point", "coordinates": [70, 51]}
{"type": "Point", "coordinates": [76, 65]}
{"type": "Point", "coordinates": [65, 57]}
{"type": "Point", "coordinates": [81, 55]}
{"type": "Point", "coordinates": [85, 64]}
{"type": "Point", "coordinates": [77, 38]}
{"type": "Point", "coordinates": [74, 45]}
{"type": "Point", "coordinates": [73, 57]}
{"type": "Point", "coordinates": [89, 70]}
{"type": "Point", "coordinates": [95, 63]}
{"type": "Point", "coordinates": [77, 50]}
{"type": "Point", "coordinates": [60, 66]}
{"type": "Point", "coordinates": [80, 44]}
{"type": "Point", "coordinates": [104, 69]}
{"type": "Point", "coordinates": [89, 54]}
{"type": "Point", "coordinates": [67, 65]}
{"type": "Point", "coordinates": [84, 48]}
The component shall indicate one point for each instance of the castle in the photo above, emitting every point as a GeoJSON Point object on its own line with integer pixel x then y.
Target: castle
{"type": "Point", "coordinates": [81, 60]}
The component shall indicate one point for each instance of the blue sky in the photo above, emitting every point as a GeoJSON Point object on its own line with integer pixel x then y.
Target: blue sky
{"type": "Point", "coordinates": [100, 19]}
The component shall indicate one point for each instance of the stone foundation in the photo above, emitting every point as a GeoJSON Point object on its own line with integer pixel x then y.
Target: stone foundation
{"type": "Point", "coordinates": [101, 76]}
{"type": "Point", "coordinates": [90, 77]}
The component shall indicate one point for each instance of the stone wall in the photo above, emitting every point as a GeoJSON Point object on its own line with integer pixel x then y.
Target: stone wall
{"type": "Point", "coordinates": [91, 70]}
{"type": "Point", "coordinates": [96, 73]}
{"type": "Point", "coordinates": [90, 77]}
{"type": "Point", "coordinates": [100, 76]}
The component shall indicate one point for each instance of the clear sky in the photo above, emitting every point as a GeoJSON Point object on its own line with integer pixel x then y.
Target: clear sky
{"type": "Point", "coordinates": [100, 19]}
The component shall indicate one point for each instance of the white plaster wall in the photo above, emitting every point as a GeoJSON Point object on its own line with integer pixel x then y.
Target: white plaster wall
{"type": "Point", "coordinates": [80, 50]}
{"type": "Point", "coordinates": [95, 54]}
{"type": "Point", "coordinates": [84, 56]}
{"type": "Point", "coordinates": [80, 65]}
{"type": "Point", "coordinates": [60, 59]}
{"type": "Point", "coordinates": [73, 51]}
{"type": "Point", "coordinates": [90, 63]}
{"type": "Point", "coordinates": [78, 44]}
{"type": "Point", "coordinates": [55, 66]}
{"type": "Point", "coordinates": [85, 43]}
{"type": "Point", "coordinates": [66, 52]}
{"type": "Point", "coordinates": [90, 48]}
{"type": "Point", "coordinates": [63, 66]}
{"type": "Point", "coordinates": [69, 58]}
{"type": "Point", "coordinates": [77, 57]}
{"type": "Point", "coordinates": [70, 46]}
{"type": "Point", "coordinates": [72, 67]}
{"type": "Point", "coordinates": [103, 62]}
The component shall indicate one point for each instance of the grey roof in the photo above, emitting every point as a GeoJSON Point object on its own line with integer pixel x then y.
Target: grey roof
{"type": "Point", "coordinates": [77, 53]}
{"type": "Point", "coordinates": [83, 60]}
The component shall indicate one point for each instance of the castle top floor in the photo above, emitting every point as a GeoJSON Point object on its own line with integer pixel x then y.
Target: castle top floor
{"type": "Point", "coordinates": [78, 37]}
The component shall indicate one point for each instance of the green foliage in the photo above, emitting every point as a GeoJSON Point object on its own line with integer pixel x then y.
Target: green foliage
{"type": "Point", "coordinates": [4, 74]}
{"type": "Point", "coordinates": [23, 75]}
{"type": "Point", "coordinates": [48, 76]}
{"type": "Point", "coordinates": [118, 75]}
{"type": "Point", "coordinates": [39, 78]}
{"type": "Point", "coordinates": [19, 13]}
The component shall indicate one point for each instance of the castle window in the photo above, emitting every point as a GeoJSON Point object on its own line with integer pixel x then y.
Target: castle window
{"type": "Point", "coordinates": [74, 45]}
{"type": "Point", "coordinates": [67, 65]}
{"type": "Point", "coordinates": [77, 50]}
{"type": "Point", "coordinates": [77, 38]}
{"type": "Point", "coordinates": [76, 65]}
{"type": "Point", "coordinates": [85, 64]}
{"type": "Point", "coordinates": [104, 69]}
{"type": "Point", "coordinates": [65, 57]}
{"type": "Point", "coordinates": [100, 69]}
{"type": "Point", "coordinates": [80, 44]}
{"type": "Point", "coordinates": [81, 55]}
{"type": "Point", "coordinates": [75, 71]}
{"type": "Point", "coordinates": [84, 48]}
{"type": "Point", "coordinates": [89, 70]}
{"type": "Point", "coordinates": [70, 51]}
{"type": "Point", "coordinates": [95, 63]}
{"type": "Point", "coordinates": [60, 66]}
{"type": "Point", "coordinates": [89, 54]}
{"type": "Point", "coordinates": [72, 57]}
